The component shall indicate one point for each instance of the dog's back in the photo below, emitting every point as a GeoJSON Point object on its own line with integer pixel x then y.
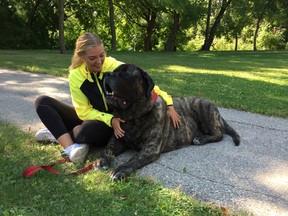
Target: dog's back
{"type": "Point", "coordinates": [204, 121]}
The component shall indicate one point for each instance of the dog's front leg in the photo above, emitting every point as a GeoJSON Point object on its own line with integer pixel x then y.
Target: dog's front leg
{"type": "Point", "coordinates": [142, 158]}
{"type": "Point", "coordinates": [114, 148]}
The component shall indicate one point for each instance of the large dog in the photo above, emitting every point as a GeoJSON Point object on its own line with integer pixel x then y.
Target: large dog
{"type": "Point", "coordinates": [148, 128]}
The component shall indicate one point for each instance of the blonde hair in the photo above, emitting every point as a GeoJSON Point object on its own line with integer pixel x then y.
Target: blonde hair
{"type": "Point", "coordinates": [84, 43]}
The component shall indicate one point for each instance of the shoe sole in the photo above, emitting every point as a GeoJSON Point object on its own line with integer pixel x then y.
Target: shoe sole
{"type": "Point", "coordinates": [45, 136]}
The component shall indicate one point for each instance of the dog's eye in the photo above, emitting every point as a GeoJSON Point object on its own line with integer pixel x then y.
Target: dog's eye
{"type": "Point", "coordinates": [121, 100]}
{"type": "Point", "coordinates": [123, 103]}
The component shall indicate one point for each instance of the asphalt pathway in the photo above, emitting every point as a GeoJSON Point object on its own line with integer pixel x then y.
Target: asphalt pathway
{"type": "Point", "coordinates": [252, 177]}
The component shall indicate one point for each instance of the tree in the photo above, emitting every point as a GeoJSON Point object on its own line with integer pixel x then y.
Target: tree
{"type": "Point", "coordinates": [112, 25]}
{"type": "Point", "coordinates": [150, 18]}
{"type": "Point", "coordinates": [210, 32]}
{"type": "Point", "coordinates": [61, 27]}
{"type": "Point", "coordinates": [280, 19]}
{"type": "Point", "coordinates": [42, 23]}
{"type": "Point", "coordinates": [142, 13]}
{"type": "Point", "coordinates": [260, 9]}
{"type": "Point", "coordinates": [237, 16]}
{"type": "Point", "coordinates": [181, 16]}
{"type": "Point", "coordinates": [12, 26]}
{"type": "Point", "coordinates": [168, 25]}
{"type": "Point", "coordinates": [170, 42]}
{"type": "Point", "coordinates": [207, 26]}
{"type": "Point", "coordinates": [33, 11]}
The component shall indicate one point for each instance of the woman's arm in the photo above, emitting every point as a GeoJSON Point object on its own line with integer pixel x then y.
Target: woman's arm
{"type": "Point", "coordinates": [175, 118]}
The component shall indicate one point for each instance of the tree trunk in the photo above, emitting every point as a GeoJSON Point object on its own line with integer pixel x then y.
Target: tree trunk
{"type": "Point", "coordinates": [204, 47]}
{"type": "Point", "coordinates": [170, 43]}
{"type": "Point", "coordinates": [31, 17]}
{"type": "Point", "coordinates": [151, 20]}
{"type": "Point", "coordinates": [236, 42]}
{"type": "Point", "coordinates": [259, 20]}
{"type": "Point", "coordinates": [209, 40]}
{"type": "Point", "coordinates": [256, 33]}
{"type": "Point", "coordinates": [112, 25]}
{"type": "Point", "coordinates": [61, 27]}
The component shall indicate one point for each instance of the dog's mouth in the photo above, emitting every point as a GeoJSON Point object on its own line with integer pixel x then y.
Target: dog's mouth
{"type": "Point", "coordinates": [114, 99]}
{"type": "Point", "coordinates": [121, 101]}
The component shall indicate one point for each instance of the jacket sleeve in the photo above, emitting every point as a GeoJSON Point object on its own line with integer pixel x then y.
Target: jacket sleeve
{"type": "Point", "coordinates": [84, 109]}
{"type": "Point", "coordinates": [166, 97]}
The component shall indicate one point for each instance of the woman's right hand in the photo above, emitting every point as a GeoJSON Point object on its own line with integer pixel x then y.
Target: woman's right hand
{"type": "Point", "coordinates": [118, 131]}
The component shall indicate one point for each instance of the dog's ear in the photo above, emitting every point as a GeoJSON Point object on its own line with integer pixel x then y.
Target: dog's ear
{"type": "Point", "coordinates": [148, 82]}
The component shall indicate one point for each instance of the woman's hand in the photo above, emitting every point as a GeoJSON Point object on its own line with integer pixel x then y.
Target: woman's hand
{"type": "Point", "coordinates": [118, 131]}
{"type": "Point", "coordinates": [175, 118]}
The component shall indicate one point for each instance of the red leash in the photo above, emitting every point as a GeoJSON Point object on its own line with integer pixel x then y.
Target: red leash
{"type": "Point", "coordinates": [33, 169]}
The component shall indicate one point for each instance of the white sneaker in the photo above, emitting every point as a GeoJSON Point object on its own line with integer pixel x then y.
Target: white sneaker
{"type": "Point", "coordinates": [45, 135]}
{"type": "Point", "coordinates": [78, 153]}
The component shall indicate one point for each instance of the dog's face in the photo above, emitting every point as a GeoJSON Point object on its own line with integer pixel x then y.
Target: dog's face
{"type": "Point", "coordinates": [128, 91]}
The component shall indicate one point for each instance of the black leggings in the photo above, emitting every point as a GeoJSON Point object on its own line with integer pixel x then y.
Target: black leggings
{"type": "Point", "coordinates": [61, 118]}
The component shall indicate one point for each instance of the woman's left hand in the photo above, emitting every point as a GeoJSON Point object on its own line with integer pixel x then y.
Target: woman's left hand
{"type": "Point", "coordinates": [118, 131]}
{"type": "Point", "coordinates": [175, 117]}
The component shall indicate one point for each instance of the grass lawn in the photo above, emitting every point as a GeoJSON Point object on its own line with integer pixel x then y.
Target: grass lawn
{"type": "Point", "coordinates": [92, 193]}
{"type": "Point", "coordinates": [249, 81]}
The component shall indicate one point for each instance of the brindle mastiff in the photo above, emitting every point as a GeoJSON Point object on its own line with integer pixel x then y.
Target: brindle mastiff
{"type": "Point", "coordinates": [148, 128]}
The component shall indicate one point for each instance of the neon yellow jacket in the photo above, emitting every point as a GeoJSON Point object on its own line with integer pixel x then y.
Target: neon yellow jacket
{"type": "Point", "coordinates": [88, 99]}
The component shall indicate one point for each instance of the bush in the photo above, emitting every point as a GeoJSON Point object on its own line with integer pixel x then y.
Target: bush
{"type": "Point", "coordinates": [273, 39]}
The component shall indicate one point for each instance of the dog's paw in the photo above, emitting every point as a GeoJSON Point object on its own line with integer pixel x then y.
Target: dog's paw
{"type": "Point", "coordinates": [197, 141]}
{"type": "Point", "coordinates": [120, 173]}
{"type": "Point", "coordinates": [101, 164]}
{"type": "Point", "coordinates": [117, 176]}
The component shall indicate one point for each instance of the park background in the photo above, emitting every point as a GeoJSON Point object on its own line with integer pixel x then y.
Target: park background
{"type": "Point", "coordinates": [146, 25]}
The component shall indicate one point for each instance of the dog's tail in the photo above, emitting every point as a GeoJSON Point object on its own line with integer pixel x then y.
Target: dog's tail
{"type": "Point", "coordinates": [230, 131]}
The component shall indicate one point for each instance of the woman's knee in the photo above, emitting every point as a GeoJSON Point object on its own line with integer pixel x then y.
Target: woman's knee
{"type": "Point", "coordinates": [42, 100]}
{"type": "Point", "coordinates": [92, 132]}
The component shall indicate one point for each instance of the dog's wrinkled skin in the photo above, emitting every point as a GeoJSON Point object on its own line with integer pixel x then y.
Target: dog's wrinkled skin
{"type": "Point", "coordinates": [148, 128]}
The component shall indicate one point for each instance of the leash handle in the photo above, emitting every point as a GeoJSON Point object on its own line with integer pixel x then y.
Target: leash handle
{"type": "Point", "coordinates": [33, 169]}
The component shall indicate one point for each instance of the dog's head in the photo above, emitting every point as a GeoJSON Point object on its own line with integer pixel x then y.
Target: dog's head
{"type": "Point", "coordinates": [128, 91]}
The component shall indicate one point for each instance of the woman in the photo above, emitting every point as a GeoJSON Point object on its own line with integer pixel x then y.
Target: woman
{"type": "Point", "coordinates": [88, 121]}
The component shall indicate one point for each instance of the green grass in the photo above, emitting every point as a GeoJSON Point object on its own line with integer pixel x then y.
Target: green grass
{"type": "Point", "coordinates": [249, 81]}
{"type": "Point", "coordinates": [92, 193]}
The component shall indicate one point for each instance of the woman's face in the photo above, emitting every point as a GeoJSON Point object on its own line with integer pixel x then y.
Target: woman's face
{"type": "Point", "coordinates": [94, 58]}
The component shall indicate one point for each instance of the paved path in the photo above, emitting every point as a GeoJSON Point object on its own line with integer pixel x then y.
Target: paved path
{"type": "Point", "coordinates": [253, 176]}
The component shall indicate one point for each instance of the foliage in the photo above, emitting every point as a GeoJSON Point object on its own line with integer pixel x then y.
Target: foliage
{"type": "Point", "coordinates": [12, 27]}
{"type": "Point", "coordinates": [190, 12]}
{"type": "Point", "coordinates": [234, 22]}
{"type": "Point", "coordinates": [272, 38]}
{"type": "Point", "coordinates": [141, 25]}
